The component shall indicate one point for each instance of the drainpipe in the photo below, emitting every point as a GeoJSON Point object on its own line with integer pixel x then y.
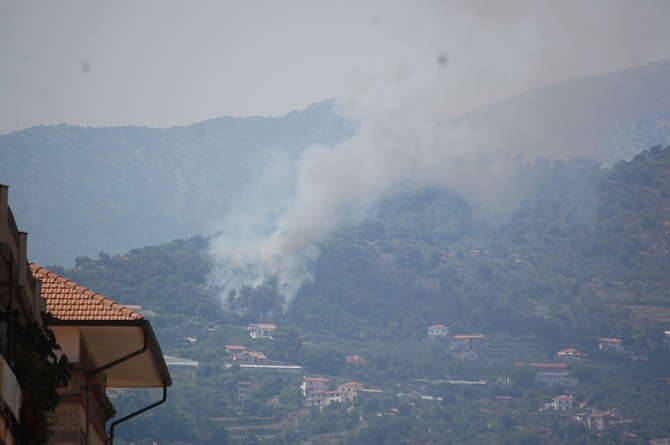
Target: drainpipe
{"type": "Point", "coordinates": [137, 413]}
{"type": "Point", "coordinates": [95, 371]}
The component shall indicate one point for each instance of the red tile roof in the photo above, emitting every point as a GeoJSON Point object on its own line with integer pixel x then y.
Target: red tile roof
{"type": "Point", "coordinates": [439, 326]}
{"type": "Point", "coordinates": [609, 340]}
{"type": "Point", "coordinates": [268, 326]}
{"type": "Point", "coordinates": [467, 336]}
{"type": "Point", "coordinates": [67, 300]}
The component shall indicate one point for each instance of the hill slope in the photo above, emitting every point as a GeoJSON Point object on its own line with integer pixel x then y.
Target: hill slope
{"type": "Point", "coordinates": [584, 239]}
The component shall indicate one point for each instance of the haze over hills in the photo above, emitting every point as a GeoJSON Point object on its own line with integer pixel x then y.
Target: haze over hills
{"type": "Point", "coordinates": [111, 189]}
{"type": "Point", "coordinates": [606, 118]}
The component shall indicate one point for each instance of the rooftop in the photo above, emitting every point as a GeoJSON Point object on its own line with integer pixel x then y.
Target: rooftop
{"type": "Point", "coordinates": [108, 329]}
{"type": "Point", "coordinates": [567, 351]}
{"type": "Point", "coordinates": [262, 326]}
{"type": "Point", "coordinates": [609, 340]}
{"type": "Point", "coordinates": [67, 300]}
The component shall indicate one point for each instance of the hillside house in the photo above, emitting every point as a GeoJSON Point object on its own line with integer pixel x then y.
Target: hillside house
{"type": "Point", "coordinates": [109, 346]}
{"type": "Point", "coordinates": [313, 384]}
{"type": "Point", "coordinates": [251, 358]}
{"type": "Point", "coordinates": [321, 399]}
{"type": "Point", "coordinates": [356, 360]}
{"type": "Point", "coordinates": [563, 402]}
{"type": "Point", "coordinates": [315, 392]}
{"type": "Point", "coordinates": [21, 303]}
{"type": "Point", "coordinates": [261, 330]}
{"type": "Point", "coordinates": [438, 331]}
{"type": "Point", "coordinates": [571, 354]}
{"type": "Point", "coordinates": [598, 421]}
{"type": "Point", "coordinates": [609, 344]}
{"type": "Point", "coordinates": [349, 390]}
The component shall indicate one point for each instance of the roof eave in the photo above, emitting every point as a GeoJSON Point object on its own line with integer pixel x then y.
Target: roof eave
{"type": "Point", "coordinates": [145, 325]}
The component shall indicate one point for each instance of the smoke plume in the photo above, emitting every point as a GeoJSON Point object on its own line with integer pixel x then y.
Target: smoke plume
{"type": "Point", "coordinates": [446, 58]}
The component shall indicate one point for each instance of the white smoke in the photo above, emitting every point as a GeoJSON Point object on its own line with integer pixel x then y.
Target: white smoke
{"type": "Point", "coordinates": [402, 138]}
{"type": "Point", "coordinates": [442, 61]}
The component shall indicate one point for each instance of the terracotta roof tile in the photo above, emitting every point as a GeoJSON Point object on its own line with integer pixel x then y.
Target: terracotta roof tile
{"type": "Point", "coordinates": [67, 300]}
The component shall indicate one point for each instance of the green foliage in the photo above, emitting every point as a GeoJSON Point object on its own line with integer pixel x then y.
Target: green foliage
{"type": "Point", "coordinates": [40, 372]}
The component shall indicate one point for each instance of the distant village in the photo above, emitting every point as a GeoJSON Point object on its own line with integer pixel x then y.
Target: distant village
{"type": "Point", "coordinates": [320, 391]}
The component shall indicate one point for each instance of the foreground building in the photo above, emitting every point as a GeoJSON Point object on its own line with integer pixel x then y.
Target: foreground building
{"type": "Point", "coordinates": [109, 346]}
{"type": "Point", "coordinates": [20, 304]}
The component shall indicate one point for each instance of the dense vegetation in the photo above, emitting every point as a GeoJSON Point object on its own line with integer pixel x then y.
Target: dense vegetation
{"type": "Point", "coordinates": [579, 255]}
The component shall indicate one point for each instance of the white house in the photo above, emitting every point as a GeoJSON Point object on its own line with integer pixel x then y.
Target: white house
{"type": "Point", "coordinates": [261, 330]}
{"type": "Point", "coordinates": [313, 384]}
{"type": "Point", "coordinates": [610, 344]}
{"type": "Point", "coordinates": [562, 403]}
{"type": "Point", "coordinates": [438, 330]}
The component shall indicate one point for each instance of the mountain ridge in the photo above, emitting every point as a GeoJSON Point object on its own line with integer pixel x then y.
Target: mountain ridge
{"type": "Point", "coordinates": [139, 186]}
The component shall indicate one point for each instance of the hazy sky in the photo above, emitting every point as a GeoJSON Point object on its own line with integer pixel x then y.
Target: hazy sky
{"type": "Point", "coordinates": [164, 63]}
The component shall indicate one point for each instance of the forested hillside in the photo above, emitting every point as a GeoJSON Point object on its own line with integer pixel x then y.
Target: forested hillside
{"type": "Point", "coordinates": [586, 254]}
{"type": "Point", "coordinates": [583, 236]}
